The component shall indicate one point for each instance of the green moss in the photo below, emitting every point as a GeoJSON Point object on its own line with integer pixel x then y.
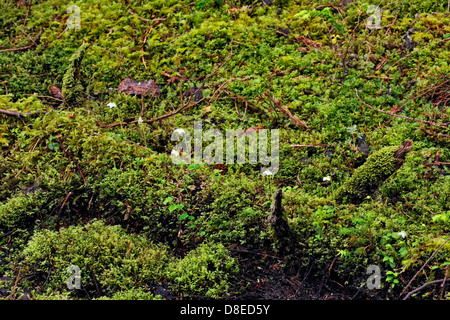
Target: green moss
{"type": "Point", "coordinates": [72, 88]}
{"type": "Point", "coordinates": [208, 266]}
{"type": "Point", "coordinates": [106, 256]}
{"type": "Point", "coordinates": [367, 178]}
{"type": "Point", "coordinates": [60, 170]}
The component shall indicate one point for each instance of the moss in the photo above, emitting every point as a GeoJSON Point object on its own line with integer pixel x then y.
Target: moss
{"type": "Point", "coordinates": [62, 169]}
{"type": "Point", "coordinates": [205, 271]}
{"type": "Point", "coordinates": [72, 88]}
{"type": "Point", "coordinates": [108, 258]}
{"type": "Point", "coordinates": [368, 178]}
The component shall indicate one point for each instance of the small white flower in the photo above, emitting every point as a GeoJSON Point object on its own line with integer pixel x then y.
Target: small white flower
{"type": "Point", "coordinates": [326, 178]}
{"type": "Point", "coordinates": [402, 234]}
{"type": "Point", "coordinates": [112, 105]}
{"type": "Point", "coordinates": [267, 173]}
{"type": "Point", "coordinates": [175, 153]}
{"type": "Point", "coordinates": [140, 121]}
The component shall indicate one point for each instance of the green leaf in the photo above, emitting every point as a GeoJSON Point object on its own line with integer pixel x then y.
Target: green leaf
{"type": "Point", "coordinates": [403, 251]}
{"type": "Point", "coordinates": [168, 199]}
{"type": "Point", "coordinates": [184, 216]}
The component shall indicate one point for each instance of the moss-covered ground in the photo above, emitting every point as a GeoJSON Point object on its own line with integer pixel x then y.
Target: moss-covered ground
{"type": "Point", "coordinates": [87, 178]}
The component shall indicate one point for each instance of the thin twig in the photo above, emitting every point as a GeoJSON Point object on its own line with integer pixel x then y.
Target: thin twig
{"type": "Point", "coordinates": [167, 115]}
{"type": "Point", "coordinates": [147, 20]}
{"type": "Point", "coordinates": [423, 286]}
{"type": "Point", "coordinates": [11, 296]}
{"type": "Point", "coordinates": [308, 145]}
{"type": "Point", "coordinates": [426, 262]}
{"type": "Point", "coordinates": [443, 125]}
{"type": "Point", "coordinates": [20, 114]}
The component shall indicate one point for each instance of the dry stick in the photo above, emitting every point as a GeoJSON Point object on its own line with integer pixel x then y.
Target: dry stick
{"type": "Point", "coordinates": [426, 262]}
{"type": "Point", "coordinates": [36, 38]}
{"type": "Point", "coordinates": [423, 286]}
{"type": "Point", "coordinates": [147, 20]}
{"type": "Point", "coordinates": [443, 125]}
{"type": "Point", "coordinates": [167, 115]}
{"type": "Point", "coordinates": [15, 283]}
{"type": "Point", "coordinates": [64, 203]}
{"type": "Point", "coordinates": [73, 159]}
{"type": "Point", "coordinates": [18, 49]}
{"type": "Point", "coordinates": [308, 145]}
{"type": "Point", "coordinates": [414, 51]}
{"type": "Point", "coordinates": [20, 114]}
{"type": "Point", "coordinates": [445, 279]}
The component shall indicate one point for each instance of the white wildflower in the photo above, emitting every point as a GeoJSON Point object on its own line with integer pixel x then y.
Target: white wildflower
{"type": "Point", "coordinates": [267, 173]}
{"type": "Point", "coordinates": [326, 178]}
{"type": "Point", "coordinates": [402, 234]}
{"type": "Point", "coordinates": [175, 153]}
{"type": "Point", "coordinates": [140, 121]}
{"type": "Point", "coordinates": [112, 105]}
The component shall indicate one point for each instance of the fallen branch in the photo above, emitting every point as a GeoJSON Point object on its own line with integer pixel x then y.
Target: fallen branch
{"type": "Point", "coordinates": [34, 43]}
{"type": "Point", "coordinates": [426, 262]}
{"type": "Point", "coordinates": [18, 49]}
{"type": "Point", "coordinates": [436, 163]}
{"type": "Point", "coordinates": [443, 125]}
{"type": "Point", "coordinates": [20, 114]}
{"type": "Point", "coordinates": [293, 118]}
{"type": "Point", "coordinates": [167, 115]}
{"type": "Point", "coordinates": [308, 145]}
{"type": "Point", "coordinates": [423, 286]}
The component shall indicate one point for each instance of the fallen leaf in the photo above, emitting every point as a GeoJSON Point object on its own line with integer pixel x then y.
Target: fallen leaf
{"type": "Point", "coordinates": [129, 86]}
{"type": "Point", "coordinates": [56, 92]}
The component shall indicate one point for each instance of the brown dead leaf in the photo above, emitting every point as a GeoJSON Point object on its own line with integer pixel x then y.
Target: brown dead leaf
{"type": "Point", "coordinates": [56, 92]}
{"type": "Point", "coordinates": [129, 86]}
{"type": "Point", "coordinates": [308, 43]}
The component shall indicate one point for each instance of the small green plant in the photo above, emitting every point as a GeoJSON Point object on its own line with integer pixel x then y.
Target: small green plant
{"type": "Point", "coordinates": [179, 207]}
{"type": "Point", "coordinates": [200, 4]}
{"type": "Point", "coordinates": [392, 278]}
{"type": "Point", "coordinates": [327, 15]}
{"type": "Point", "coordinates": [53, 145]}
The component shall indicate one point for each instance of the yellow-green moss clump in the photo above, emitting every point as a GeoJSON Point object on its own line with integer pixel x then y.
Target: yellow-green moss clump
{"type": "Point", "coordinates": [115, 264]}
{"type": "Point", "coordinates": [72, 87]}
{"type": "Point", "coordinates": [367, 178]}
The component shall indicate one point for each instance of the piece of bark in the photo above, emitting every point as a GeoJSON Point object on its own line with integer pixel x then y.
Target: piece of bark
{"type": "Point", "coordinates": [276, 218]}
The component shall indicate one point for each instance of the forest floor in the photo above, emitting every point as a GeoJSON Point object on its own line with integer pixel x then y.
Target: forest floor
{"type": "Point", "coordinates": [117, 181]}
